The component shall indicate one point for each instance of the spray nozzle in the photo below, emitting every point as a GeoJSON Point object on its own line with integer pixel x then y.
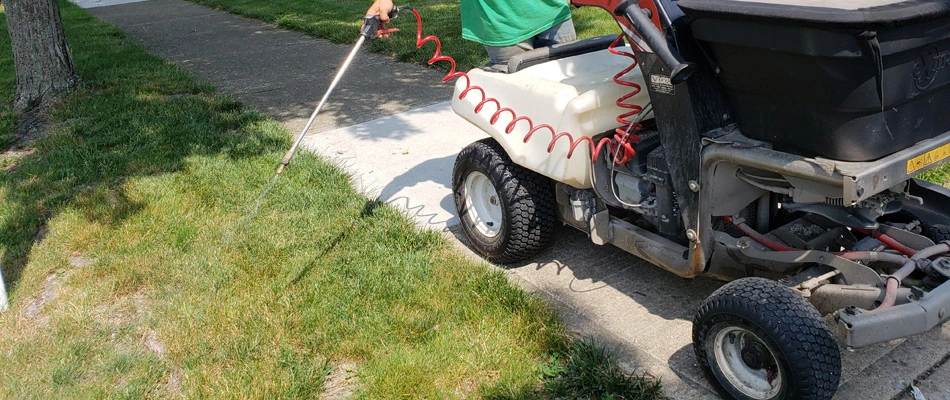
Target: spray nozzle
{"type": "Point", "coordinates": [372, 23]}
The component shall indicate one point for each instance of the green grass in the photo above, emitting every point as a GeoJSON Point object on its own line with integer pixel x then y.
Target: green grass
{"type": "Point", "coordinates": [939, 175]}
{"type": "Point", "coordinates": [339, 21]}
{"type": "Point", "coordinates": [125, 281]}
{"type": "Point", "coordinates": [592, 371]}
{"type": "Point", "coordinates": [585, 371]}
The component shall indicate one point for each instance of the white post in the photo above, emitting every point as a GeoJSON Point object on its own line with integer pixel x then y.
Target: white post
{"type": "Point", "coordinates": [4, 301]}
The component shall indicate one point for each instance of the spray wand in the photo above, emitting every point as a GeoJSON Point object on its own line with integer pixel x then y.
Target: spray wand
{"type": "Point", "coordinates": [370, 30]}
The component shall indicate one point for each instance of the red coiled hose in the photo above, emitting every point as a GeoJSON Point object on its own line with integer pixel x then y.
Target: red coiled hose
{"type": "Point", "coordinates": [621, 102]}
{"type": "Point", "coordinates": [620, 144]}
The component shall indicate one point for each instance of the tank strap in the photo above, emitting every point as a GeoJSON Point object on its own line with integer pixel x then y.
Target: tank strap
{"type": "Point", "coordinates": [873, 45]}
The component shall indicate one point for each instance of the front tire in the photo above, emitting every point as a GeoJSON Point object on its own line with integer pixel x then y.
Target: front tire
{"type": "Point", "coordinates": [506, 210]}
{"type": "Point", "coordinates": [757, 339]}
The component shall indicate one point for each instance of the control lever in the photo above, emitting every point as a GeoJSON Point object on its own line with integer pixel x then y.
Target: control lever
{"type": "Point", "coordinates": [681, 70]}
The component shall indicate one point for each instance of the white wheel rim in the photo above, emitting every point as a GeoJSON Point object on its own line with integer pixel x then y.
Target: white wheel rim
{"type": "Point", "coordinates": [752, 382]}
{"type": "Point", "coordinates": [483, 204]}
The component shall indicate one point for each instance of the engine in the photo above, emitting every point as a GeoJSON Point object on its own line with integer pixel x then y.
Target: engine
{"type": "Point", "coordinates": [641, 186]}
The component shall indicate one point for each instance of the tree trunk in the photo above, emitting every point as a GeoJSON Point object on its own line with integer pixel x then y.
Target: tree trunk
{"type": "Point", "coordinates": [44, 67]}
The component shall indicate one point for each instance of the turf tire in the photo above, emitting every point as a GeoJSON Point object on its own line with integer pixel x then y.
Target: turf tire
{"type": "Point", "coordinates": [526, 199]}
{"type": "Point", "coordinates": [805, 351]}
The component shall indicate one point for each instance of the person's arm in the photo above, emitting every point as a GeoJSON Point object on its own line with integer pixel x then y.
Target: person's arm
{"type": "Point", "coordinates": [382, 9]}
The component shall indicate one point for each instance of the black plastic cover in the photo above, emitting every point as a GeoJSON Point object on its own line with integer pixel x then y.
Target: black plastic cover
{"type": "Point", "coordinates": [559, 51]}
{"type": "Point", "coordinates": [852, 85]}
{"type": "Point", "coordinates": [887, 14]}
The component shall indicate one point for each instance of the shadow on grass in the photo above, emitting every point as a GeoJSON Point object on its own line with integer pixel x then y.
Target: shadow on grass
{"type": "Point", "coordinates": [584, 370]}
{"type": "Point", "coordinates": [369, 210]}
{"type": "Point", "coordinates": [86, 164]}
{"type": "Point", "coordinates": [134, 116]}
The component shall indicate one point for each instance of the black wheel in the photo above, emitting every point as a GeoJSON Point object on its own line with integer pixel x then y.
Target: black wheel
{"type": "Point", "coordinates": [506, 211]}
{"type": "Point", "coordinates": [757, 339]}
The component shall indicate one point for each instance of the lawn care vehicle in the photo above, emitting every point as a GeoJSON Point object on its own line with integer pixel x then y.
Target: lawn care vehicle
{"type": "Point", "coordinates": [772, 144]}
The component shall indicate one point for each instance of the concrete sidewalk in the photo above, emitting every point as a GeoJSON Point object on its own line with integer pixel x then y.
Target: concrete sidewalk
{"type": "Point", "coordinates": [399, 139]}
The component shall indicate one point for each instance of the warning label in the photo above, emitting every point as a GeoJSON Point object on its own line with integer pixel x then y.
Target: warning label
{"type": "Point", "coordinates": [661, 84]}
{"type": "Point", "coordinates": [927, 159]}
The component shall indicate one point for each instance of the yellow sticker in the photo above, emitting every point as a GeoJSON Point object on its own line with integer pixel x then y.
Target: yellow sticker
{"type": "Point", "coordinates": [927, 159]}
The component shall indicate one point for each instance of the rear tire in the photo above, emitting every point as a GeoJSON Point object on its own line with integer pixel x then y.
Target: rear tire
{"type": "Point", "coordinates": [506, 210]}
{"type": "Point", "coordinates": [757, 339]}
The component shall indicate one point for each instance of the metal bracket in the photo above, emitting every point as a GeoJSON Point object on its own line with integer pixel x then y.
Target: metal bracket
{"type": "Point", "coordinates": [853, 273]}
{"type": "Point", "coordinates": [601, 232]}
{"type": "Point", "coordinates": [864, 328]}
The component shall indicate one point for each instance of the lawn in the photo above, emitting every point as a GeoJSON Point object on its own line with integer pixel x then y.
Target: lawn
{"type": "Point", "coordinates": [137, 266]}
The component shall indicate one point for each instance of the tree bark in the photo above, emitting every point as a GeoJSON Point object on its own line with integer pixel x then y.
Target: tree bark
{"type": "Point", "coordinates": [44, 66]}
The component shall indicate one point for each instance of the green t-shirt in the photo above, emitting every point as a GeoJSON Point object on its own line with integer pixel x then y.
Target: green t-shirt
{"type": "Point", "coordinates": [506, 22]}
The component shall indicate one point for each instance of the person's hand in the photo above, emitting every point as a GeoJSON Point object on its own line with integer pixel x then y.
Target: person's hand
{"type": "Point", "coordinates": [382, 9]}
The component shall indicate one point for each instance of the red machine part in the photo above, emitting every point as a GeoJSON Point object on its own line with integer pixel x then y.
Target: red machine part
{"type": "Point", "coordinates": [620, 145]}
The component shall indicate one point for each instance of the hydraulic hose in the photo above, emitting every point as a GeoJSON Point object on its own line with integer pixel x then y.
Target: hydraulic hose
{"type": "Point", "coordinates": [873, 256]}
{"type": "Point", "coordinates": [758, 237]}
{"type": "Point", "coordinates": [889, 241]}
{"type": "Point", "coordinates": [894, 280]}
{"type": "Point", "coordinates": [893, 243]}
{"type": "Point", "coordinates": [908, 265]}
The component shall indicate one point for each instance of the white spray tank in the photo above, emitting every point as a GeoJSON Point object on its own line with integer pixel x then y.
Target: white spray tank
{"type": "Point", "coordinates": [573, 94]}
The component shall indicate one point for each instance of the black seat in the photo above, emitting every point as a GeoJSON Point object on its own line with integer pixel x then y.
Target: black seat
{"type": "Point", "coordinates": [558, 51]}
